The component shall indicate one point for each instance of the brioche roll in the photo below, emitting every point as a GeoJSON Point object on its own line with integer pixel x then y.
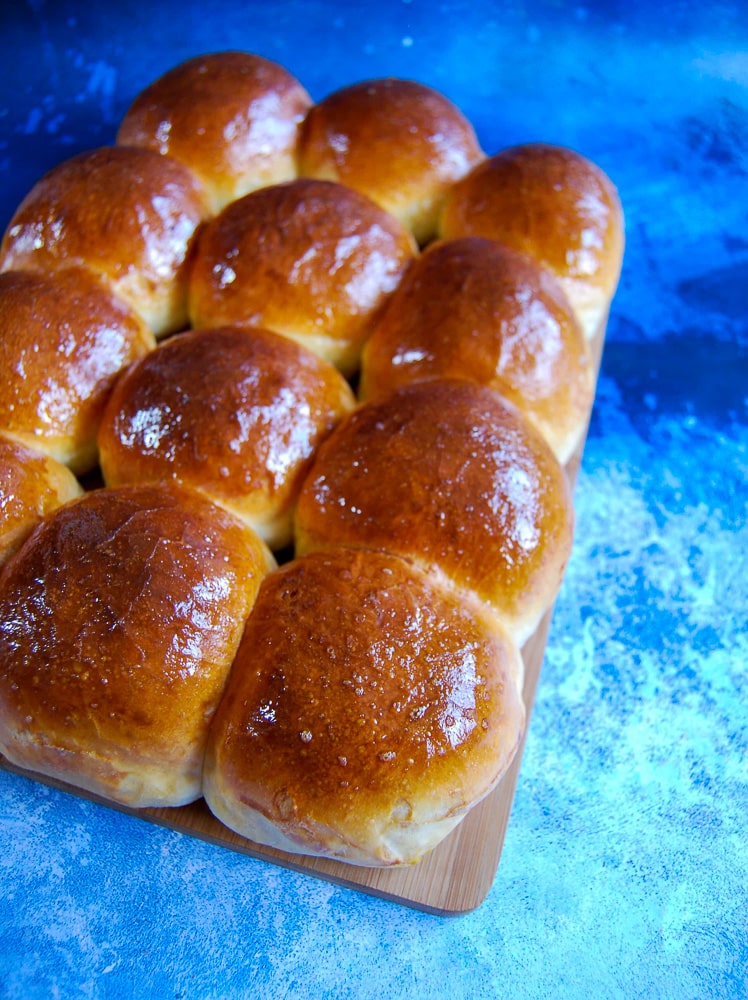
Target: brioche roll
{"type": "Point", "coordinates": [64, 338]}
{"type": "Point", "coordinates": [369, 707]}
{"type": "Point", "coordinates": [129, 215]}
{"type": "Point", "coordinates": [31, 485]}
{"type": "Point", "coordinates": [472, 308]}
{"type": "Point", "coordinates": [397, 141]}
{"type": "Point", "coordinates": [232, 118]}
{"type": "Point", "coordinates": [119, 619]}
{"type": "Point", "coordinates": [554, 205]}
{"type": "Point", "coordinates": [447, 474]}
{"type": "Point", "coordinates": [309, 259]}
{"type": "Point", "coordinates": [236, 413]}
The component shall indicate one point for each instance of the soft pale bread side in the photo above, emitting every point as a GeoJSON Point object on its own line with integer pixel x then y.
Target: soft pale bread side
{"type": "Point", "coordinates": [31, 485]}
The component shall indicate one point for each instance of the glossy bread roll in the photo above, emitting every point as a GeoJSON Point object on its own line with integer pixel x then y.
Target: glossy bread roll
{"type": "Point", "coordinates": [64, 338]}
{"type": "Point", "coordinates": [129, 215]}
{"type": "Point", "coordinates": [554, 205]}
{"type": "Point", "coordinates": [235, 412]}
{"type": "Point", "coordinates": [368, 709]}
{"type": "Point", "coordinates": [232, 118]}
{"type": "Point", "coordinates": [398, 141]}
{"type": "Point", "coordinates": [31, 485]}
{"type": "Point", "coordinates": [312, 260]}
{"type": "Point", "coordinates": [472, 308]}
{"type": "Point", "coordinates": [119, 620]}
{"type": "Point", "coordinates": [451, 476]}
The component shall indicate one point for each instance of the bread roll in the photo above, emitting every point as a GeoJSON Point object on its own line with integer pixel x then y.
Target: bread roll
{"type": "Point", "coordinates": [31, 485]}
{"type": "Point", "coordinates": [368, 709]}
{"type": "Point", "coordinates": [472, 308]}
{"type": "Point", "coordinates": [64, 338]}
{"type": "Point", "coordinates": [397, 141]}
{"type": "Point", "coordinates": [554, 205]}
{"type": "Point", "coordinates": [312, 260]}
{"type": "Point", "coordinates": [119, 620]}
{"type": "Point", "coordinates": [449, 475]}
{"type": "Point", "coordinates": [236, 413]}
{"type": "Point", "coordinates": [232, 118]}
{"type": "Point", "coordinates": [129, 215]}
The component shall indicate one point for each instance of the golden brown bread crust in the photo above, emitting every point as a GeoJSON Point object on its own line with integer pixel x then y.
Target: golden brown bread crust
{"type": "Point", "coordinates": [312, 260]}
{"type": "Point", "coordinates": [472, 308]}
{"type": "Point", "coordinates": [31, 485]}
{"type": "Point", "coordinates": [119, 619]}
{"type": "Point", "coordinates": [554, 205]}
{"type": "Point", "coordinates": [234, 412]}
{"type": "Point", "coordinates": [397, 141]}
{"type": "Point", "coordinates": [128, 214]}
{"type": "Point", "coordinates": [64, 338]}
{"type": "Point", "coordinates": [368, 708]}
{"type": "Point", "coordinates": [232, 118]}
{"type": "Point", "coordinates": [448, 474]}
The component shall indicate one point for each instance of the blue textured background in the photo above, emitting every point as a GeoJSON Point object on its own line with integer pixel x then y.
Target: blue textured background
{"type": "Point", "coordinates": [625, 869]}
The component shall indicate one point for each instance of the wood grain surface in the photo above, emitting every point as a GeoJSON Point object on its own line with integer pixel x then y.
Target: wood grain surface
{"type": "Point", "coordinates": [453, 879]}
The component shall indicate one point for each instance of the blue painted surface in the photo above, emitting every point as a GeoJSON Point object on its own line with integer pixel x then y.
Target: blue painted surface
{"type": "Point", "coordinates": [625, 869]}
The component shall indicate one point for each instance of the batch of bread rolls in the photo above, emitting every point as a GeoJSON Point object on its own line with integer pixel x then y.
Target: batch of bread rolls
{"type": "Point", "coordinates": [288, 393]}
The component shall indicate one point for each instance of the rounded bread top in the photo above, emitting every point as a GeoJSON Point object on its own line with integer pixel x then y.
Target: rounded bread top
{"type": "Point", "coordinates": [398, 141]}
{"type": "Point", "coordinates": [64, 338]}
{"type": "Point", "coordinates": [119, 619]}
{"type": "Point", "coordinates": [369, 707]}
{"type": "Point", "coordinates": [449, 475]}
{"type": "Point", "coordinates": [128, 214]}
{"type": "Point", "coordinates": [231, 117]}
{"type": "Point", "coordinates": [235, 412]}
{"type": "Point", "coordinates": [553, 204]}
{"type": "Point", "coordinates": [473, 308]}
{"type": "Point", "coordinates": [313, 260]}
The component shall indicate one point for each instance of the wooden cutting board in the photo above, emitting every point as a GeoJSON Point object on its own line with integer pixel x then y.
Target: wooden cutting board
{"type": "Point", "coordinates": [455, 878]}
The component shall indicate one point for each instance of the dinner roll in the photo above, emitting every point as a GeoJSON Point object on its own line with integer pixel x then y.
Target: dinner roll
{"type": "Point", "coordinates": [119, 620]}
{"type": "Point", "coordinates": [450, 475]}
{"type": "Point", "coordinates": [31, 485]}
{"type": "Point", "coordinates": [369, 708]}
{"type": "Point", "coordinates": [556, 206]}
{"type": "Point", "coordinates": [128, 214]}
{"type": "Point", "coordinates": [472, 308]}
{"type": "Point", "coordinates": [234, 412]}
{"type": "Point", "coordinates": [397, 141]}
{"type": "Point", "coordinates": [313, 260]}
{"type": "Point", "coordinates": [64, 338]}
{"type": "Point", "coordinates": [231, 117]}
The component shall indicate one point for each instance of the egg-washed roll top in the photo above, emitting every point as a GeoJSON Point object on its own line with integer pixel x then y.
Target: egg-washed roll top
{"type": "Point", "coordinates": [369, 707]}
